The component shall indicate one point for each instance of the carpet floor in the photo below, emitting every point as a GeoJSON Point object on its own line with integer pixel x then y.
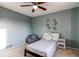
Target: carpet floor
{"type": "Point", "coordinates": [19, 52]}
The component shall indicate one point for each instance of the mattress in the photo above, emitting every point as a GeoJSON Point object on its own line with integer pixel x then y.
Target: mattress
{"type": "Point", "coordinates": [43, 47]}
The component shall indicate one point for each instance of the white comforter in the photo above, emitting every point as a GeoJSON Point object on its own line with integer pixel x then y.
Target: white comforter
{"type": "Point", "coordinates": [43, 47]}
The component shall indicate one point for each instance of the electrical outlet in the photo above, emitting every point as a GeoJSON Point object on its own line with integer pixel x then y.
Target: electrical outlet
{"type": "Point", "coordinates": [9, 46]}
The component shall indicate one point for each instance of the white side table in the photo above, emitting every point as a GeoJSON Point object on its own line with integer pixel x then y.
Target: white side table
{"type": "Point", "coordinates": [62, 43]}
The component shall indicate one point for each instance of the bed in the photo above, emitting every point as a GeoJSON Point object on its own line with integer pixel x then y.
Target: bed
{"type": "Point", "coordinates": [45, 47]}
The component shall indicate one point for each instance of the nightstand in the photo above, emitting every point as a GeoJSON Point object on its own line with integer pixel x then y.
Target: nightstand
{"type": "Point", "coordinates": [62, 43]}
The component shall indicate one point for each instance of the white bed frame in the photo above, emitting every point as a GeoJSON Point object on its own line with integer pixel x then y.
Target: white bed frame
{"type": "Point", "coordinates": [55, 36]}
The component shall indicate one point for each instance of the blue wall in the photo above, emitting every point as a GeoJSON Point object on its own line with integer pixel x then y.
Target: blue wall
{"type": "Point", "coordinates": [64, 24]}
{"type": "Point", "coordinates": [18, 26]}
{"type": "Point", "coordinates": [68, 25]}
{"type": "Point", "coordinates": [75, 28]}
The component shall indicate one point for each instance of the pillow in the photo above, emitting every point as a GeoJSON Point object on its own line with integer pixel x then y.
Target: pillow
{"type": "Point", "coordinates": [32, 38]}
{"type": "Point", "coordinates": [47, 36]}
{"type": "Point", "coordinates": [55, 36]}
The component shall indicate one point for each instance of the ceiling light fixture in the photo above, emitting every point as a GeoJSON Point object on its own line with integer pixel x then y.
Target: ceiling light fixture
{"type": "Point", "coordinates": [35, 6]}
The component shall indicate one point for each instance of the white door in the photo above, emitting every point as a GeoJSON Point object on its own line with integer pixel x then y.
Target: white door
{"type": "Point", "coordinates": [3, 38]}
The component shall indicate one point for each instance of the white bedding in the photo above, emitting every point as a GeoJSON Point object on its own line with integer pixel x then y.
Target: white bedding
{"type": "Point", "coordinates": [43, 47]}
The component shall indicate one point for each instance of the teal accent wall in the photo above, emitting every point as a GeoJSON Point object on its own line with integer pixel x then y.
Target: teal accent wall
{"type": "Point", "coordinates": [75, 28]}
{"type": "Point", "coordinates": [64, 24]}
{"type": "Point", "coordinates": [18, 26]}
{"type": "Point", "coordinates": [68, 25]}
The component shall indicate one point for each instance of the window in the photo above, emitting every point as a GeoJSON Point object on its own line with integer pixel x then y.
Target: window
{"type": "Point", "coordinates": [2, 38]}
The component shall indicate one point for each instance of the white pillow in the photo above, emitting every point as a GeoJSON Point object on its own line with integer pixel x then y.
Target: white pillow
{"type": "Point", "coordinates": [47, 36]}
{"type": "Point", "coordinates": [55, 36]}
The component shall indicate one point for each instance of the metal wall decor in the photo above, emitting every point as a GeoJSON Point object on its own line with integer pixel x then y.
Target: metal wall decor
{"type": "Point", "coordinates": [48, 24]}
{"type": "Point", "coordinates": [54, 24]}
{"type": "Point", "coordinates": [51, 24]}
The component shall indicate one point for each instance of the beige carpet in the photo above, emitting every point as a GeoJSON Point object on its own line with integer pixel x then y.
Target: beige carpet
{"type": "Point", "coordinates": [19, 52]}
{"type": "Point", "coordinates": [67, 53]}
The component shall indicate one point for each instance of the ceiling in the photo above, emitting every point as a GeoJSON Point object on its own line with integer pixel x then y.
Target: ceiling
{"type": "Point", "coordinates": [51, 7]}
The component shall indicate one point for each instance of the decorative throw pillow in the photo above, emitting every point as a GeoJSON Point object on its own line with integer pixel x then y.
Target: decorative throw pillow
{"type": "Point", "coordinates": [32, 38]}
{"type": "Point", "coordinates": [55, 36]}
{"type": "Point", "coordinates": [47, 36]}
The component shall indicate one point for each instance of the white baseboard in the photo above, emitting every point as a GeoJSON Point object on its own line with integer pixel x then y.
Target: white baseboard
{"type": "Point", "coordinates": [73, 48]}
{"type": "Point", "coordinates": [15, 46]}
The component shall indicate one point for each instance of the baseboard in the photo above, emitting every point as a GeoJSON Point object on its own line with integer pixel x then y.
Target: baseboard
{"type": "Point", "coordinates": [19, 44]}
{"type": "Point", "coordinates": [73, 48]}
{"type": "Point", "coordinates": [15, 46]}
